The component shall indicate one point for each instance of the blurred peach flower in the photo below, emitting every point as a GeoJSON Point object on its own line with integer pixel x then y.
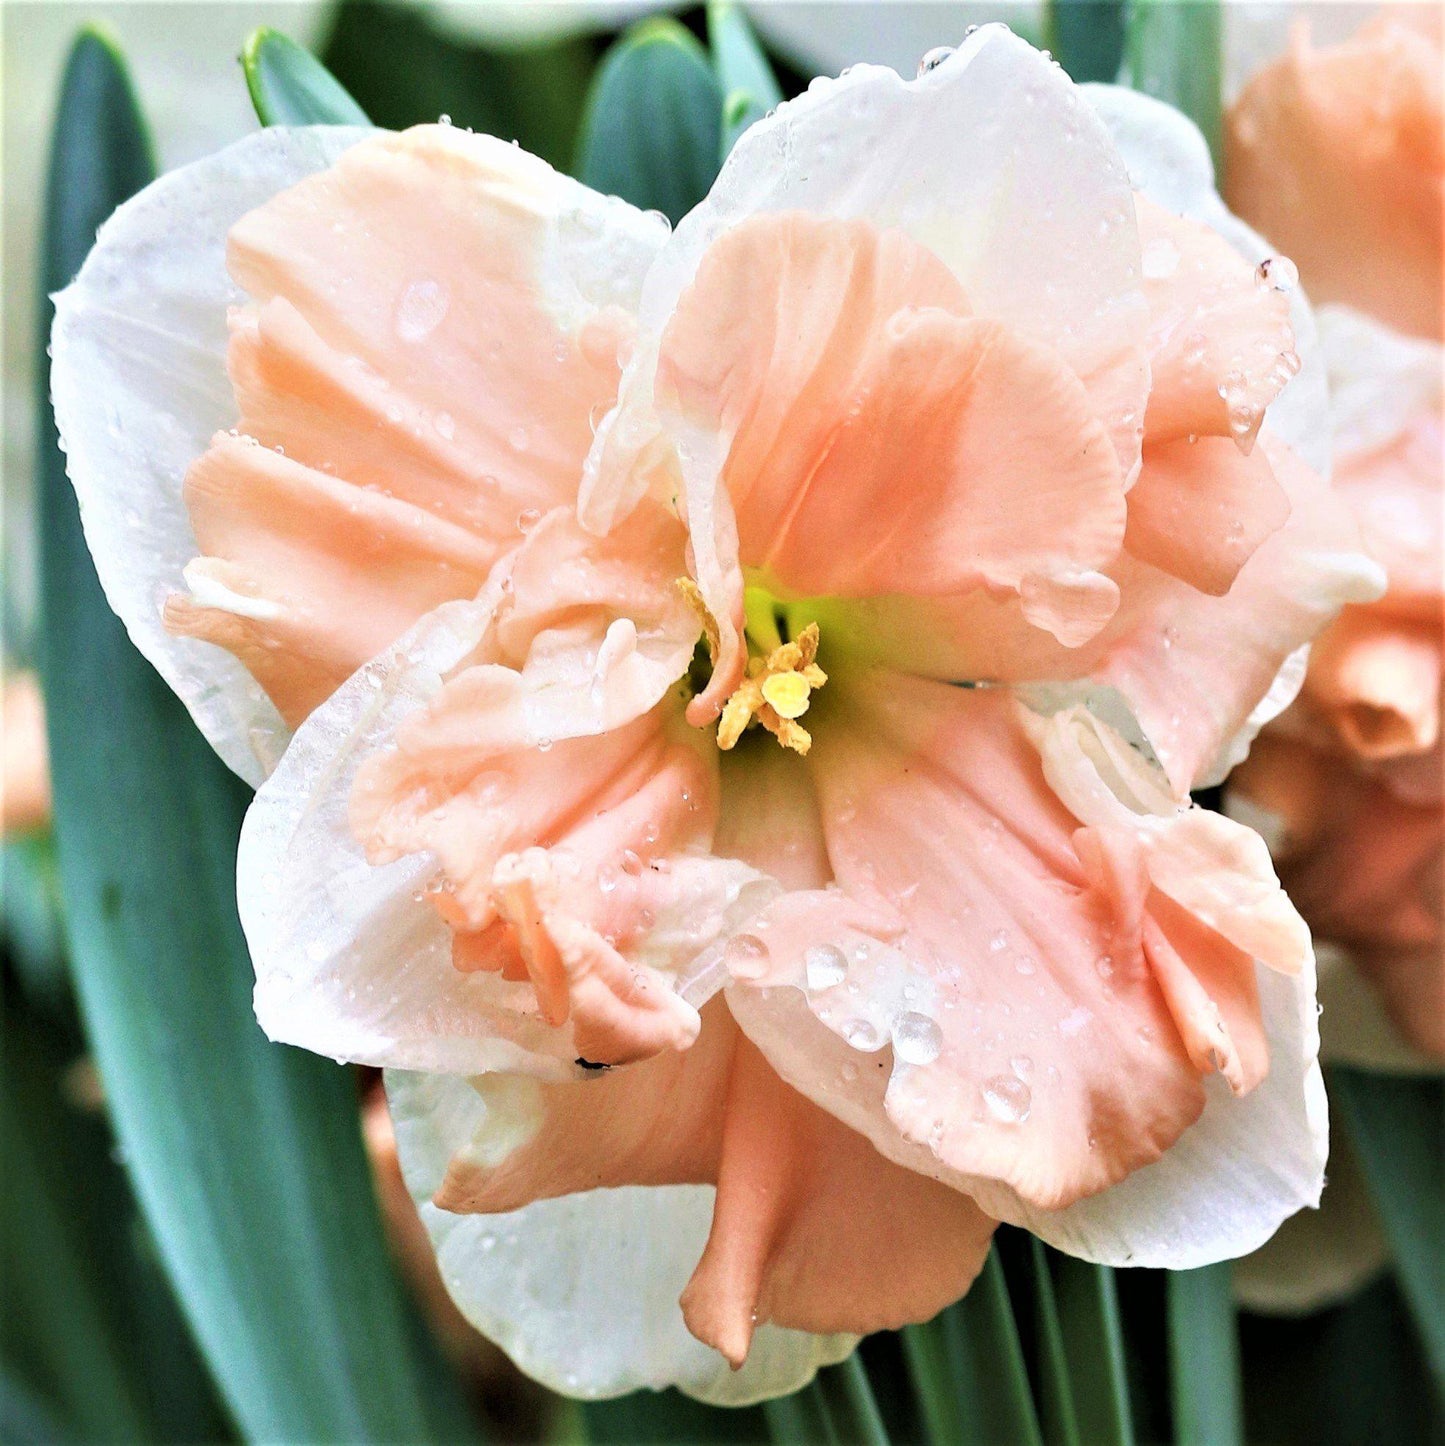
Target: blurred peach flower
{"type": "Point", "coordinates": [746, 687]}
{"type": "Point", "coordinates": [1338, 154]}
{"type": "Point", "coordinates": [24, 774]}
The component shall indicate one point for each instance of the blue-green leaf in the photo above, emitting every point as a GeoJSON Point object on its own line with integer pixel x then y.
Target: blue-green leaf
{"type": "Point", "coordinates": [652, 131]}
{"type": "Point", "coordinates": [1174, 51]}
{"type": "Point", "coordinates": [1088, 1307]}
{"type": "Point", "coordinates": [1397, 1125]}
{"type": "Point", "coordinates": [1087, 37]}
{"type": "Point", "coordinates": [1204, 1357]}
{"type": "Point", "coordinates": [290, 87]}
{"type": "Point", "coordinates": [1056, 1391]}
{"type": "Point", "coordinates": [749, 87]}
{"type": "Point", "coordinates": [246, 1157]}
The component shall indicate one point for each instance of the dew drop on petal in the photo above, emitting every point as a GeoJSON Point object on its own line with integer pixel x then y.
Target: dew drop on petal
{"type": "Point", "coordinates": [826, 965]}
{"type": "Point", "coordinates": [861, 1034]}
{"type": "Point", "coordinates": [934, 58]}
{"type": "Point", "coordinates": [422, 308]}
{"type": "Point", "coordinates": [1008, 1099]}
{"type": "Point", "coordinates": [746, 957]}
{"type": "Point", "coordinates": [1277, 273]}
{"type": "Point", "coordinates": [917, 1039]}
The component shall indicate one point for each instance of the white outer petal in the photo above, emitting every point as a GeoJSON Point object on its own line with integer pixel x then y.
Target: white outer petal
{"type": "Point", "coordinates": [139, 386]}
{"type": "Point", "coordinates": [351, 960]}
{"type": "Point", "coordinates": [1223, 1188]}
{"type": "Point", "coordinates": [581, 1291]}
{"type": "Point", "coordinates": [1169, 162]}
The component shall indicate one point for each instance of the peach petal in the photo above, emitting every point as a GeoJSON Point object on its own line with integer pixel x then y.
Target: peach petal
{"type": "Point", "coordinates": [859, 377]}
{"type": "Point", "coordinates": [1377, 681]}
{"type": "Point", "coordinates": [1014, 989]}
{"type": "Point", "coordinates": [305, 577]}
{"type": "Point", "coordinates": [1221, 347]}
{"type": "Point", "coordinates": [423, 329]}
{"type": "Point", "coordinates": [811, 1227]}
{"type": "Point", "coordinates": [1337, 154]}
{"type": "Point", "coordinates": [1201, 509]}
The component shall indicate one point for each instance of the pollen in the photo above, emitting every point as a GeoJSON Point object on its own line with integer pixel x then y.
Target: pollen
{"type": "Point", "coordinates": [776, 693]}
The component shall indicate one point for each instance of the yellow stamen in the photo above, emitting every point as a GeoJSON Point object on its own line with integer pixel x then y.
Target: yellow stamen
{"type": "Point", "coordinates": [690, 590]}
{"type": "Point", "coordinates": [775, 693]}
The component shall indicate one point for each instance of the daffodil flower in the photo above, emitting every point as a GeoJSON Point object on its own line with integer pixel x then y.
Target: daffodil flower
{"type": "Point", "coordinates": [746, 686]}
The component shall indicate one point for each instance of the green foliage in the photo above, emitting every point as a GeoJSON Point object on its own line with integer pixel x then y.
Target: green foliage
{"type": "Point", "coordinates": [403, 70]}
{"type": "Point", "coordinates": [247, 1157]}
{"type": "Point", "coordinates": [290, 87]}
{"type": "Point", "coordinates": [1204, 1357]}
{"type": "Point", "coordinates": [652, 133]}
{"type": "Point", "coordinates": [749, 87]}
{"type": "Point", "coordinates": [1087, 37]}
{"type": "Point", "coordinates": [1397, 1126]}
{"type": "Point", "coordinates": [1174, 51]}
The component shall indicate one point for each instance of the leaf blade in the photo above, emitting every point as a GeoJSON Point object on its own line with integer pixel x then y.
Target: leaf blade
{"type": "Point", "coordinates": [1204, 1375]}
{"type": "Point", "coordinates": [653, 125]}
{"type": "Point", "coordinates": [290, 87]}
{"type": "Point", "coordinates": [749, 87]}
{"type": "Point", "coordinates": [246, 1157]}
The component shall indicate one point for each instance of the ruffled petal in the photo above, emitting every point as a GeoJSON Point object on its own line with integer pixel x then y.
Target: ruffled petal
{"type": "Point", "coordinates": [1189, 669]}
{"type": "Point", "coordinates": [868, 423]}
{"type": "Point", "coordinates": [1022, 971]}
{"type": "Point", "coordinates": [1168, 161]}
{"type": "Point", "coordinates": [870, 146]}
{"type": "Point", "coordinates": [139, 386]}
{"type": "Point", "coordinates": [434, 327]}
{"type": "Point", "coordinates": [1221, 347]}
{"type": "Point", "coordinates": [1338, 154]}
{"type": "Point", "coordinates": [489, 850]}
{"type": "Point", "coordinates": [581, 1291]}
{"type": "Point", "coordinates": [812, 1228]}
{"type": "Point", "coordinates": [1201, 508]}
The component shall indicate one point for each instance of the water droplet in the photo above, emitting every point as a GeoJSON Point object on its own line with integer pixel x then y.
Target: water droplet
{"type": "Point", "coordinates": [1277, 273]}
{"type": "Point", "coordinates": [861, 1034]}
{"type": "Point", "coordinates": [1021, 1065]}
{"type": "Point", "coordinates": [445, 424]}
{"type": "Point", "coordinates": [934, 58]}
{"type": "Point", "coordinates": [746, 957]}
{"type": "Point", "coordinates": [444, 119]}
{"type": "Point", "coordinates": [917, 1039]}
{"type": "Point", "coordinates": [1104, 966]}
{"type": "Point", "coordinates": [631, 864]}
{"type": "Point", "coordinates": [1007, 1099]}
{"type": "Point", "coordinates": [422, 308]}
{"type": "Point", "coordinates": [527, 519]}
{"type": "Point", "coordinates": [999, 942]}
{"type": "Point", "coordinates": [826, 965]}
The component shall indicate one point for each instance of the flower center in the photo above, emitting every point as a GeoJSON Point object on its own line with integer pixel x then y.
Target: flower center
{"type": "Point", "coordinates": [782, 669]}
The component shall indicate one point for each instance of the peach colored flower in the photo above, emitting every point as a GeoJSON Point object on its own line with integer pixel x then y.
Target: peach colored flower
{"type": "Point", "coordinates": [1360, 848]}
{"type": "Point", "coordinates": [24, 776]}
{"type": "Point", "coordinates": [746, 686]}
{"type": "Point", "coordinates": [1338, 155]}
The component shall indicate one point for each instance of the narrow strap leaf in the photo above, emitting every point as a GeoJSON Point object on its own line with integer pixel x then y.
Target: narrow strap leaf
{"type": "Point", "coordinates": [801, 1419]}
{"type": "Point", "coordinates": [938, 1384]}
{"type": "Point", "coordinates": [1087, 37]}
{"type": "Point", "coordinates": [749, 87]}
{"type": "Point", "coordinates": [1204, 1357]}
{"type": "Point", "coordinates": [1174, 50]}
{"type": "Point", "coordinates": [1396, 1125]}
{"type": "Point", "coordinates": [1056, 1392]}
{"type": "Point", "coordinates": [290, 87]}
{"type": "Point", "coordinates": [851, 1406]}
{"type": "Point", "coordinates": [246, 1157]}
{"type": "Point", "coordinates": [652, 130]}
{"type": "Point", "coordinates": [1093, 1339]}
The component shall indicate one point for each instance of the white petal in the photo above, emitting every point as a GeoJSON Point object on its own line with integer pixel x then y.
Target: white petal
{"type": "Point", "coordinates": [1223, 1188]}
{"type": "Point", "coordinates": [581, 1291]}
{"type": "Point", "coordinates": [352, 960]}
{"type": "Point", "coordinates": [1169, 162]}
{"type": "Point", "coordinates": [139, 385]}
